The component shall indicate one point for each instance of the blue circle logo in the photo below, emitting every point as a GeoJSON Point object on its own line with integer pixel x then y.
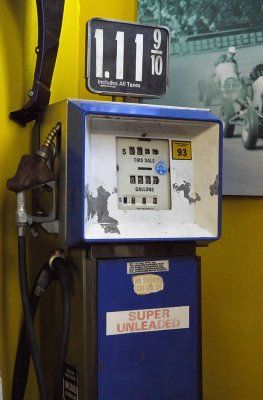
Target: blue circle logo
{"type": "Point", "coordinates": [161, 167]}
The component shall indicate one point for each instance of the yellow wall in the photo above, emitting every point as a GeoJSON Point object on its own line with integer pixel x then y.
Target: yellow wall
{"type": "Point", "coordinates": [232, 300]}
{"type": "Point", "coordinates": [232, 273]}
{"type": "Point", "coordinates": [18, 39]}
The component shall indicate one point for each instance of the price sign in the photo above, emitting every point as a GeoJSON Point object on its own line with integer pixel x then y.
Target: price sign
{"type": "Point", "coordinates": [126, 59]}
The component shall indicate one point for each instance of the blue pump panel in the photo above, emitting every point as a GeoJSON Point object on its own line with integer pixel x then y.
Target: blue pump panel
{"type": "Point", "coordinates": [149, 329]}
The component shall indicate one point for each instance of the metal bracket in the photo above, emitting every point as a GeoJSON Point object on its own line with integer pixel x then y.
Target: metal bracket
{"type": "Point", "coordinates": [24, 219]}
{"type": "Point", "coordinates": [52, 214]}
{"type": "Point", "coordinates": [50, 15]}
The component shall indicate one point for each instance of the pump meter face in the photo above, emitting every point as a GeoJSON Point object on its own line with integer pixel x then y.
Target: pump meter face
{"type": "Point", "coordinates": [143, 174]}
{"type": "Point", "coordinates": [150, 178]}
{"type": "Point", "coordinates": [135, 172]}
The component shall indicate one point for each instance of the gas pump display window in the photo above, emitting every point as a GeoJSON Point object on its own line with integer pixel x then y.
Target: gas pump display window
{"type": "Point", "coordinates": [143, 174]}
{"type": "Point", "coordinates": [139, 172]}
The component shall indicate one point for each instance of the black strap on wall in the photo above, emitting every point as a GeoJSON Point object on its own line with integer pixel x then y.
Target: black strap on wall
{"type": "Point", "coordinates": [50, 16]}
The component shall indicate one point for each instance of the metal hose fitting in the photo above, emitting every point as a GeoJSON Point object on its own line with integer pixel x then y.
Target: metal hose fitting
{"type": "Point", "coordinates": [47, 145]}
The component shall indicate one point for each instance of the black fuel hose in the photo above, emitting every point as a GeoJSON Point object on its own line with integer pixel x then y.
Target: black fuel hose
{"type": "Point", "coordinates": [28, 317]}
{"type": "Point", "coordinates": [59, 266]}
{"type": "Point", "coordinates": [22, 361]}
{"type": "Point", "coordinates": [27, 341]}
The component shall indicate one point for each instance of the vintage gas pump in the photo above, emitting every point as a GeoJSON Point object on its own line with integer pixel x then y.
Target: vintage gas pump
{"type": "Point", "coordinates": [139, 187]}
{"type": "Point", "coordinates": [135, 188]}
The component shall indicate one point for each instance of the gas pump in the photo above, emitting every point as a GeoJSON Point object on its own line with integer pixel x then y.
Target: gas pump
{"type": "Point", "coordinates": [139, 186]}
{"type": "Point", "coordinates": [135, 189]}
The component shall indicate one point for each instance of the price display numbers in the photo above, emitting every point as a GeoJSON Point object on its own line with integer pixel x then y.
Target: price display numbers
{"type": "Point", "coordinates": [126, 59]}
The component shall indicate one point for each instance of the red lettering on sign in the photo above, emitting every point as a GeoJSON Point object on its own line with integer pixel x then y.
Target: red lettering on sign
{"type": "Point", "coordinates": [132, 316]}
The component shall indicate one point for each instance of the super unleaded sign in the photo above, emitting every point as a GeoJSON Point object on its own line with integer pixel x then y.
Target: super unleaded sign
{"type": "Point", "coordinates": [148, 320]}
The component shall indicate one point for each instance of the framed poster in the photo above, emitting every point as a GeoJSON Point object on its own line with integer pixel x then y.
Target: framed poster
{"type": "Point", "coordinates": [216, 62]}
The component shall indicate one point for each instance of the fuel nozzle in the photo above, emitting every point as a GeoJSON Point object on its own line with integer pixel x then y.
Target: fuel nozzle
{"type": "Point", "coordinates": [34, 170]}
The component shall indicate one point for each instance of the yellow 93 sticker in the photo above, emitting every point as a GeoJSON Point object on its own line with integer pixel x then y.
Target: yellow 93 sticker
{"type": "Point", "coordinates": [181, 150]}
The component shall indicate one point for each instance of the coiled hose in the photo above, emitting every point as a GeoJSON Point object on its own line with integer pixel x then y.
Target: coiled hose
{"type": "Point", "coordinates": [22, 361]}
{"type": "Point", "coordinates": [27, 341]}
